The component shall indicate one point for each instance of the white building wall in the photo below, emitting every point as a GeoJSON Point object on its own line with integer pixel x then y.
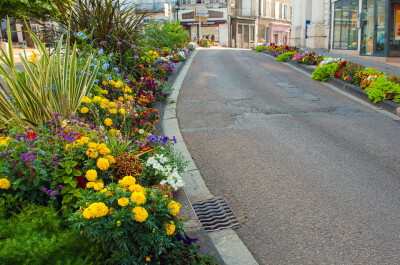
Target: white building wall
{"type": "Point", "coordinates": [223, 35]}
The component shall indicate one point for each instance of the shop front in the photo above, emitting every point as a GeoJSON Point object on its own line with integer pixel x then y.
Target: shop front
{"type": "Point", "coordinates": [368, 27]}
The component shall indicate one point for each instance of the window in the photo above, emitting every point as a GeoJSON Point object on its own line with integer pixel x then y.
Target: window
{"type": "Point", "coordinates": [252, 31]}
{"type": "Point", "coordinates": [267, 35]}
{"type": "Point", "coordinates": [268, 8]}
{"type": "Point", "coordinates": [345, 32]}
{"type": "Point", "coordinates": [284, 11]}
{"type": "Point", "coordinates": [277, 5]}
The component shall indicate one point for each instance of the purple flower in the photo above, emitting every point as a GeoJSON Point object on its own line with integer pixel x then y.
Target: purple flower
{"type": "Point", "coordinates": [45, 190]}
{"type": "Point", "coordinates": [103, 42]}
{"type": "Point", "coordinates": [133, 46]}
{"type": "Point", "coordinates": [55, 164]}
{"type": "Point", "coordinates": [53, 193]}
{"type": "Point", "coordinates": [55, 158]}
{"type": "Point", "coordinates": [119, 43]}
{"type": "Point", "coordinates": [60, 186]}
{"type": "Point", "coordinates": [136, 57]}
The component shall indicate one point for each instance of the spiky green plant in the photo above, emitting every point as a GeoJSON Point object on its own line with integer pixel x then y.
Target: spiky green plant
{"type": "Point", "coordinates": [52, 84]}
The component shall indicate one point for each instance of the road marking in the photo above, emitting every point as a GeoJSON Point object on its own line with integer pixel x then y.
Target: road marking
{"type": "Point", "coordinates": [358, 100]}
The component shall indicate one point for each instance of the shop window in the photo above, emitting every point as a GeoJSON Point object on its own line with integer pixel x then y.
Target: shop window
{"type": "Point", "coordinates": [345, 32]}
{"type": "Point", "coordinates": [252, 33]}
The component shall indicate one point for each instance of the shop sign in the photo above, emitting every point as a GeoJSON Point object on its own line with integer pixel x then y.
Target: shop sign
{"type": "Point", "coordinates": [397, 23]}
{"type": "Point", "coordinates": [202, 23]}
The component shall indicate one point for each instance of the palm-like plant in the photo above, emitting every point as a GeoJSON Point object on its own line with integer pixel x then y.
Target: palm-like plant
{"type": "Point", "coordinates": [107, 21]}
{"type": "Point", "coordinates": [51, 84]}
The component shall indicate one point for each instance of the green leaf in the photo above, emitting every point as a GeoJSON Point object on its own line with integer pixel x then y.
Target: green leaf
{"type": "Point", "coordinates": [77, 173]}
{"type": "Point", "coordinates": [68, 170]}
{"type": "Point", "coordinates": [74, 183]}
{"type": "Point", "coordinates": [67, 198]}
{"type": "Point", "coordinates": [36, 181]}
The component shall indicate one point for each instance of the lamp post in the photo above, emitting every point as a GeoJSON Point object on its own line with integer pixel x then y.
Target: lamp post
{"type": "Point", "coordinates": [177, 7]}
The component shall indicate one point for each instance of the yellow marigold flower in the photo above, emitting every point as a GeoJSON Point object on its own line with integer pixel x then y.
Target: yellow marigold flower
{"type": "Point", "coordinates": [170, 228]}
{"type": "Point", "coordinates": [92, 153]}
{"type": "Point", "coordinates": [90, 185]}
{"type": "Point", "coordinates": [86, 100]}
{"type": "Point", "coordinates": [91, 175]}
{"type": "Point", "coordinates": [110, 159]}
{"type": "Point", "coordinates": [122, 111]}
{"type": "Point", "coordinates": [97, 99]}
{"type": "Point", "coordinates": [103, 106]}
{"type": "Point", "coordinates": [103, 164]}
{"type": "Point", "coordinates": [127, 181]}
{"type": "Point", "coordinates": [117, 132]}
{"type": "Point", "coordinates": [97, 209]}
{"type": "Point", "coordinates": [104, 92]}
{"type": "Point", "coordinates": [118, 223]}
{"type": "Point", "coordinates": [108, 122]}
{"type": "Point", "coordinates": [4, 184]}
{"type": "Point", "coordinates": [105, 83]}
{"type": "Point", "coordinates": [105, 101]}
{"type": "Point", "coordinates": [136, 188]}
{"type": "Point", "coordinates": [98, 186]}
{"type": "Point", "coordinates": [112, 82]}
{"type": "Point", "coordinates": [112, 131]}
{"type": "Point", "coordinates": [140, 214]}
{"type": "Point", "coordinates": [121, 99]}
{"type": "Point", "coordinates": [112, 104]}
{"type": "Point", "coordinates": [84, 110]}
{"type": "Point", "coordinates": [101, 146]}
{"type": "Point", "coordinates": [85, 139]}
{"type": "Point", "coordinates": [148, 259]}
{"type": "Point", "coordinates": [123, 202]}
{"type": "Point", "coordinates": [107, 192]}
{"type": "Point", "coordinates": [118, 84]}
{"type": "Point", "coordinates": [4, 140]}
{"type": "Point", "coordinates": [126, 96]}
{"type": "Point", "coordinates": [93, 145]}
{"type": "Point", "coordinates": [174, 207]}
{"type": "Point", "coordinates": [113, 111]}
{"type": "Point", "coordinates": [128, 103]}
{"type": "Point", "coordinates": [105, 151]}
{"type": "Point", "coordinates": [138, 197]}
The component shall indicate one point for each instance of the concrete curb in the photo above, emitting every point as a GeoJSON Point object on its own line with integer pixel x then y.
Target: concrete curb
{"type": "Point", "coordinates": [228, 244]}
{"type": "Point", "coordinates": [356, 91]}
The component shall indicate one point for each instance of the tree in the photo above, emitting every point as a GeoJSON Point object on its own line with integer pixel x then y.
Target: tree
{"type": "Point", "coordinates": [26, 10]}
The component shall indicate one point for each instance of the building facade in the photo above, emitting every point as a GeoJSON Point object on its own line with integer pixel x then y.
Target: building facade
{"type": "Point", "coordinates": [255, 22]}
{"type": "Point", "coordinates": [214, 25]}
{"type": "Point", "coordinates": [354, 27]}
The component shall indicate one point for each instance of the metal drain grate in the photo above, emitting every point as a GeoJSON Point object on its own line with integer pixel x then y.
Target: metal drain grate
{"type": "Point", "coordinates": [215, 214]}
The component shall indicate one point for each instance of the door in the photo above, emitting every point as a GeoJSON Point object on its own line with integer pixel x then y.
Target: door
{"type": "Point", "coordinates": [374, 32]}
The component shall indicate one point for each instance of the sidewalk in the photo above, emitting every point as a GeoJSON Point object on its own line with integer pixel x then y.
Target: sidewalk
{"type": "Point", "coordinates": [391, 68]}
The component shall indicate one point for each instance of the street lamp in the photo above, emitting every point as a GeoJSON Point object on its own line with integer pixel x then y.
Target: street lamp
{"type": "Point", "coordinates": [177, 7]}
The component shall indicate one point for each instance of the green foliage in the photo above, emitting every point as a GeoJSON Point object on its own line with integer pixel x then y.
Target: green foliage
{"type": "Point", "coordinates": [259, 48]}
{"type": "Point", "coordinates": [285, 56]}
{"type": "Point", "coordinates": [322, 73]}
{"type": "Point", "coordinates": [382, 89]}
{"type": "Point", "coordinates": [112, 24]}
{"type": "Point", "coordinates": [129, 235]}
{"type": "Point", "coordinates": [183, 254]}
{"type": "Point", "coordinates": [34, 234]}
{"type": "Point", "coordinates": [50, 84]}
{"type": "Point", "coordinates": [38, 9]}
{"type": "Point", "coordinates": [169, 34]}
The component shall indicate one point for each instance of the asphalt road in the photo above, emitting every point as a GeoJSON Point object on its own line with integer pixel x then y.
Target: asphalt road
{"type": "Point", "coordinates": [313, 176]}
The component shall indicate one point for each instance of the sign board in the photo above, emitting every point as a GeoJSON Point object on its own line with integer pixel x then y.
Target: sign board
{"type": "Point", "coordinates": [201, 10]}
{"type": "Point", "coordinates": [202, 15]}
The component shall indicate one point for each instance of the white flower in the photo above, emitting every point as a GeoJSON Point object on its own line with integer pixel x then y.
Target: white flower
{"type": "Point", "coordinates": [151, 161]}
{"type": "Point", "coordinates": [141, 131]}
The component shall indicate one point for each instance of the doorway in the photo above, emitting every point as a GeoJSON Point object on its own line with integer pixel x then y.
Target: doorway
{"type": "Point", "coordinates": [394, 30]}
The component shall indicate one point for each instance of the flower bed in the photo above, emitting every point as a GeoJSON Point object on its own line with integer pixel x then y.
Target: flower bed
{"type": "Point", "coordinates": [377, 85]}
{"type": "Point", "coordinates": [77, 135]}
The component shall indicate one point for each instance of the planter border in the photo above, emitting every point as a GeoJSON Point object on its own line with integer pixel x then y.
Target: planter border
{"type": "Point", "coordinates": [354, 90]}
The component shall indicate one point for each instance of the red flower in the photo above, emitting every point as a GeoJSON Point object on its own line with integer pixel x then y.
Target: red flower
{"type": "Point", "coordinates": [31, 135]}
{"type": "Point", "coordinates": [344, 63]}
{"type": "Point", "coordinates": [336, 75]}
{"type": "Point", "coordinates": [79, 136]}
{"type": "Point", "coordinates": [81, 182]}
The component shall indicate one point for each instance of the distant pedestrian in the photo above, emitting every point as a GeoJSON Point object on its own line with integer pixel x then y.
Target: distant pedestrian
{"type": "Point", "coordinates": [212, 38]}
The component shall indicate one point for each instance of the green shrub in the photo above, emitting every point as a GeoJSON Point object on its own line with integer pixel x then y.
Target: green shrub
{"type": "Point", "coordinates": [285, 56]}
{"type": "Point", "coordinates": [382, 89]}
{"type": "Point", "coordinates": [322, 73]}
{"type": "Point", "coordinates": [132, 222]}
{"type": "Point", "coordinates": [170, 34]}
{"type": "Point", "coordinates": [33, 234]}
{"type": "Point", "coordinates": [259, 48]}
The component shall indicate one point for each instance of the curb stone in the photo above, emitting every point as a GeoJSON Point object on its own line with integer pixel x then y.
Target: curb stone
{"type": "Point", "coordinates": [228, 244]}
{"type": "Point", "coordinates": [356, 91]}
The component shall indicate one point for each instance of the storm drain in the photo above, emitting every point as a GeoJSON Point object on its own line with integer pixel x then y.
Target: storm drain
{"type": "Point", "coordinates": [215, 214]}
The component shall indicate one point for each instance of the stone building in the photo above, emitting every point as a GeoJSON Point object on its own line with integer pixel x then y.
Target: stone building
{"type": "Point", "coordinates": [256, 22]}
{"type": "Point", "coordinates": [354, 27]}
